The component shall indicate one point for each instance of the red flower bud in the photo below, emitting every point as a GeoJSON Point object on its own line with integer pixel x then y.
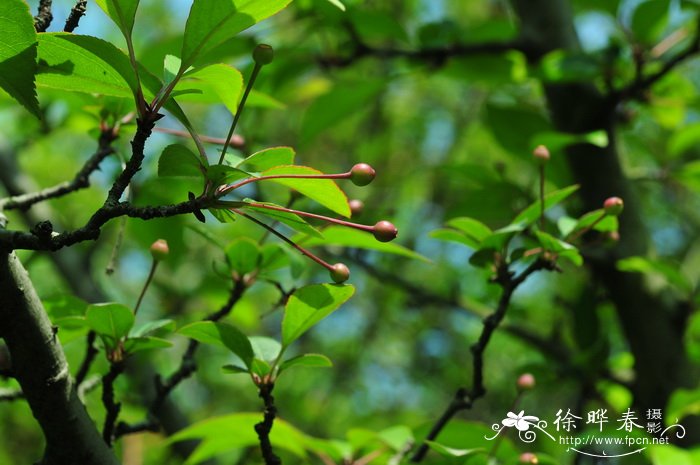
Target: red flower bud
{"type": "Point", "coordinates": [362, 174]}
{"type": "Point", "coordinates": [525, 382]}
{"type": "Point", "coordinates": [385, 231]}
{"type": "Point", "coordinates": [160, 250]}
{"type": "Point", "coordinates": [356, 207]}
{"type": "Point", "coordinates": [613, 206]}
{"type": "Point", "coordinates": [528, 457]}
{"type": "Point", "coordinates": [339, 273]}
{"type": "Point", "coordinates": [541, 154]}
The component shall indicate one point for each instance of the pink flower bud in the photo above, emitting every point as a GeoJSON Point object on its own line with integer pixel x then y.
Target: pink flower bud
{"type": "Point", "coordinates": [525, 382]}
{"type": "Point", "coordinates": [613, 206]}
{"type": "Point", "coordinates": [160, 249]}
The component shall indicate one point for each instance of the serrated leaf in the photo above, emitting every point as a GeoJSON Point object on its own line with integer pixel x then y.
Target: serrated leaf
{"type": "Point", "coordinates": [84, 64]}
{"type": "Point", "coordinates": [179, 161]}
{"type": "Point", "coordinates": [18, 52]}
{"type": "Point", "coordinates": [222, 335]}
{"type": "Point", "coordinates": [292, 220]}
{"type": "Point", "coordinates": [122, 12]}
{"type": "Point", "coordinates": [532, 213]}
{"type": "Point", "coordinates": [309, 305]}
{"type": "Point", "coordinates": [212, 22]}
{"type": "Point", "coordinates": [268, 158]}
{"type": "Point", "coordinates": [307, 360]}
{"type": "Point", "coordinates": [243, 255]}
{"type": "Point", "coordinates": [110, 320]}
{"type": "Point", "coordinates": [324, 191]}
{"type": "Point", "coordinates": [346, 237]}
{"type": "Point", "coordinates": [141, 343]}
{"type": "Point", "coordinates": [218, 83]}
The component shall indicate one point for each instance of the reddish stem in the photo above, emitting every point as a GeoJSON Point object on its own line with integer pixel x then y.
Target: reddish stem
{"type": "Point", "coordinates": [362, 227]}
{"type": "Point", "coordinates": [238, 184]}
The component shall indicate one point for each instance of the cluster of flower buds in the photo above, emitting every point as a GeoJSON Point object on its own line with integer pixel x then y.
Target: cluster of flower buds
{"type": "Point", "coordinates": [361, 174]}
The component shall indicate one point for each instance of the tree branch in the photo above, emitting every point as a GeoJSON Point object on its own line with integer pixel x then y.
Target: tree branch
{"type": "Point", "coordinates": [77, 12]}
{"type": "Point", "coordinates": [264, 427]}
{"type": "Point", "coordinates": [112, 407]}
{"type": "Point", "coordinates": [43, 19]}
{"type": "Point", "coordinates": [187, 367]}
{"type": "Point", "coordinates": [464, 398]}
{"type": "Point", "coordinates": [40, 367]}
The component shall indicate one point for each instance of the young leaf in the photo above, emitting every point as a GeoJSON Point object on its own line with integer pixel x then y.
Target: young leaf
{"type": "Point", "coordinates": [307, 360]}
{"type": "Point", "coordinates": [223, 174]}
{"type": "Point", "coordinates": [243, 255]}
{"type": "Point", "coordinates": [151, 327]}
{"type": "Point", "coordinates": [122, 12]}
{"type": "Point", "coordinates": [324, 191]}
{"type": "Point", "coordinates": [346, 237]}
{"type": "Point", "coordinates": [218, 83]}
{"type": "Point", "coordinates": [606, 224]}
{"type": "Point", "coordinates": [337, 4]}
{"type": "Point", "coordinates": [138, 344]}
{"type": "Point", "coordinates": [531, 213]}
{"type": "Point", "coordinates": [212, 22]}
{"type": "Point", "coordinates": [309, 305]}
{"type": "Point", "coordinates": [223, 335]}
{"type": "Point", "coordinates": [18, 53]}
{"type": "Point", "coordinates": [110, 320]}
{"type": "Point", "coordinates": [234, 369]}
{"type": "Point", "coordinates": [452, 452]}
{"type": "Point", "coordinates": [265, 348]}
{"type": "Point", "coordinates": [179, 161]}
{"type": "Point", "coordinates": [471, 228]}
{"type": "Point", "coordinates": [260, 367]}
{"type": "Point", "coordinates": [451, 235]}
{"type": "Point", "coordinates": [269, 158]}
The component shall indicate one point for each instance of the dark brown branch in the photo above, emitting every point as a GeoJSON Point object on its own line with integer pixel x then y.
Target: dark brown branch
{"type": "Point", "coordinates": [90, 354]}
{"type": "Point", "coordinates": [43, 19]}
{"type": "Point", "coordinates": [264, 427]}
{"type": "Point", "coordinates": [77, 12]}
{"type": "Point", "coordinates": [435, 55]}
{"type": "Point", "coordinates": [112, 407]}
{"type": "Point", "coordinates": [465, 398]}
{"type": "Point", "coordinates": [187, 367]}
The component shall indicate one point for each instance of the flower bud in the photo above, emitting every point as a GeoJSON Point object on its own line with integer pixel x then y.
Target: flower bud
{"type": "Point", "coordinates": [385, 231]}
{"type": "Point", "coordinates": [356, 207]}
{"type": "Point", "coordinates": [340, 273]}
{"type": "Point", "coordinates": [541, 154]}
{"type": "Point", "coordinates": [528, 457]}
{"type": "Point", "coordinates": [263, 54]}
{"type": "Point", "coordinates": [160, 250]}
{"type": "Point", "coordinates": [613, 206]}
{"type": "Point", "coordinates": [362, 174]}
{"type": "Point", "coordinates": [525, 382]}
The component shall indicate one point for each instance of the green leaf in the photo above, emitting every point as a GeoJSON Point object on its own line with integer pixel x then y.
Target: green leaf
{"type": "Point", "coordinates": [324, 191]}
{"type": "Point", "coordinates": [153, 326]}
{"type": "Point", "coordinates": [243, 255]}
{"type": "Point", "coordinates": [471, 227]}
{"type": "Point", "coordinates": [451, 235]}
{"type": "Point", "coordinates": [234, 369]}
{"type": "Point", "coordinates": [683, 402]}
{"type": "Point", "coordinates": [138, 344]}
{"type": "Point", "coordinates": [110, 320]}
{"type": "Point", "coordinates": [269, 158]}
{"type": "Point", "coordinates": [262, 100]}
{"type": "Point", "coordinates": [222, 335]}
{"type": "Point", "coordinates": [649, 20]}
{"type": "Point", "coordinates": [563, 249]}
{"type": "Point", "coordinates": [669, 271]}
{"type": "Point", "coordinates": [601, 222]}
{"type": "Point", "coordinates": [346, 237]}
{"type": "Point", "coordinates": [218, 83]}
{"type": "Point", "coordinates": [309, 305]}
{"type": "Point", "coordinates": [265, 348]}
{"type": "Point", "coordinates": [532, 213]}
{"type": "Point", "coordinates": [179, 161]}
{"type": "Point", "coordinates": [223, 174]}
{"type": "Point", "coordinates": [18, 52]}
{"type": "Point", "coordinates": [292, 220]}
{"type": "Point", "coordinates": [260, 367]}
{"type": "Point", "coordinates": [240, 433]}
{"type": "Point", "coordinates": [452, 452]}
{"type": "Point", "coordinates": [307, 360]}
{"type": "Point", "coordinates": [212, 22]}
{"type": "Point", "coordinates": [337, 4]}
{"type": "Point", "coordinates": [122, 12]}
{"type": "Point", "coordinates": [84, 64]}
{"type": "Point", "coordinates": [396, 437]}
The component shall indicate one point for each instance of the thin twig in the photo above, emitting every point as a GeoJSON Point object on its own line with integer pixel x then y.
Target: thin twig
{"type": "Point", "coordinates": [90, 354]}
{"type": "Point", "coordinates": [236, 141]}
{"type": "Point", "coordinates": [264, 427]}
{"type": "Point", "coordinates": [112, 407]}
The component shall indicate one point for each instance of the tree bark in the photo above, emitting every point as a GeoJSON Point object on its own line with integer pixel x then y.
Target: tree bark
{"type": "Point", "coordinates": [39, 364]}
